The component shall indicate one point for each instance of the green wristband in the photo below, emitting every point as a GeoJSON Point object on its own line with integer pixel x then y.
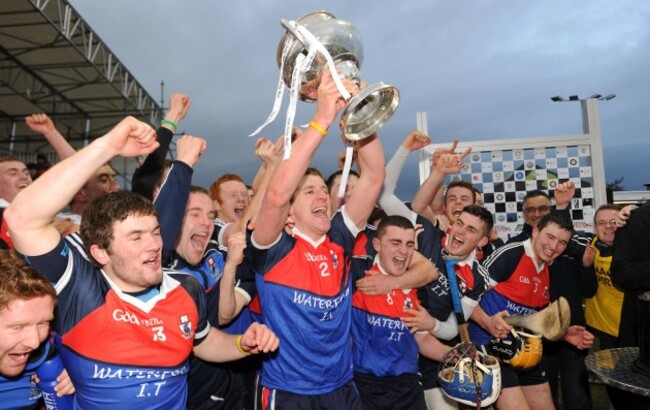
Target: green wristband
{"type": "Point", "coordinates": [169, 122]}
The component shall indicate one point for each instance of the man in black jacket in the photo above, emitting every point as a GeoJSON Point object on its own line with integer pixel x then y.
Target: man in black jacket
{"type": "Point", "coordinates": [631, 272]}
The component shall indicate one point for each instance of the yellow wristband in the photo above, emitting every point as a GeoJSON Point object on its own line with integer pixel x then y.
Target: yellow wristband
{"type": "Point", "coordinates": [241, 350]}
{"type": "Point", "coordinates": [318, 128]}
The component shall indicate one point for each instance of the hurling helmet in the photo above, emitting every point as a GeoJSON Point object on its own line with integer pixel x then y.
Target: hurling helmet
{"type": "Point", "coordinates": [469, 376]}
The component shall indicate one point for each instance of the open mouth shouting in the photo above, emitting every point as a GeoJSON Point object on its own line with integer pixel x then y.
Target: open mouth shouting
{"type": "Point", "coordinates": [239, 212]}
{"type": "Point", "coordinates": [199, 241]}
{"type": "Point", "coordinates": [320, 212]}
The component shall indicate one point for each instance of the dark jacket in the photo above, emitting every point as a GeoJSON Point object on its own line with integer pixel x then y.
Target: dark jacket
{"type": "Point", "coordinates": [631, 270]}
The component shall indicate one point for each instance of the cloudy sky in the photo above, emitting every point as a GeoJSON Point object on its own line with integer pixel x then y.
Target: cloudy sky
{"type": "Point", "coordinates": [481, 70]}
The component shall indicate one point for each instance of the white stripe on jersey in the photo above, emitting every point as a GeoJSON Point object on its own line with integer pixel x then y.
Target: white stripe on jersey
{"type": "Point", "coordinates": [74, 239]}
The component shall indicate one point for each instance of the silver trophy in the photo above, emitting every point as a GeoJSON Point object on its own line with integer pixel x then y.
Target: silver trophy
{"type": "Point", "coordinates": [364, 113]}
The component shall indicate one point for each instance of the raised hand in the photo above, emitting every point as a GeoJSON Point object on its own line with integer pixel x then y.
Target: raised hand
{"type": "Point", "coordinates": [40, 123]}
{"type": "Point", "coordinates": [131, 138]}
{"type": "Point", "coordinates": [236, 246]}
{"type": "Point", "coordinates": [416, 140]}
{"type": "Point", "coordinates": [451, 163]}
{"type": "Point", "coordinates": [330, 101]}
{"type": "Point", "coordinates": [563, 194]}
{"type": "Point", "coordinates": [624, 214]}
{"type": "Point", "coordinates": [189, 149]}
{"type": "Point", "coordinates": [179, 105]}
{"type": "Point", "coordinates": [440, 151]}
{"type": "Point", "coordinates": [267, 151]}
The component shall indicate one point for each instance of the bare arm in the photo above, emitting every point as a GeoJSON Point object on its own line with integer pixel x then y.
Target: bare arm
{"type": "Point", "coordinates": [145, 177]}
{"type": "Point", "coordinates": [229, 306]}
{"type": "Point", "coordinates": [43, 124]}
{"type": "Point", "coordinates": [388, 201]}
{"type": "Point", "coordinates": [363, 197]}
{"type": "Point", "coordinates": [276, 201]}
{"type": "Point", "coordinates": [29, 215]}
{"type": "Point", "coordinates": [431, 347]}
{"type": "Point", "coordinates": [444, 165]}
{"type": "Point", "coordinates": [219, 346]}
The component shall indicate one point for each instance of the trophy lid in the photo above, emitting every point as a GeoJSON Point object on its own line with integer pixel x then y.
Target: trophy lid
{"type": "Point", "coordinates": [338, 37]}
{"type": "Point", "coordinates": [306, 20]}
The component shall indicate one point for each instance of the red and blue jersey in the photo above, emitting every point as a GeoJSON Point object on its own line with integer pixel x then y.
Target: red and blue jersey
{"type": "Point", "coordinates": [382, 344]}
{"type": "Point", "coordinates": [304, 288]}
{"type": "Point", "coordinates": [119, 350]}
{"type": "Point", "coordinates": [521, 285]}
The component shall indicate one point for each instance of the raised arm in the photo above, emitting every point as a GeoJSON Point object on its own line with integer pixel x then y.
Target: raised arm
{"type": "Point", "coordinates": [145, 177]}
{"type": "Point", "coordinates": [33, 209]}
{"type": "Point", "coordinates": [276, 202]}
{"type": "Point", "coordinates": [388, 201]}
{"type": "Point", "coordinates": [271, 156]}
{"type": "Point", "coordinates": [229, 304]}
{"type": "Point", "coordinates": [445, 164]}
{"type": "Point", "coordinates": [365, 194]}
{"type": "Point", "coordinates": [43, 124]}
{"type": "Point", "coordinates": [175, 192]}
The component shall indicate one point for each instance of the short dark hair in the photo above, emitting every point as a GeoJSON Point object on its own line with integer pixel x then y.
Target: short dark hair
{"type": "Point", "coordinates": [462, 184]}
{"type": "Point", "coordinates": [535, 193]}
{"type": "Point", "coordinates": [330, 180]}
{"type": "Point", "coordinates": [198, 189]}
{"type": "Point", "coordinates": [102, 212]}
{"type": "Point", "coordinates": [606, 207]}
{"type": "Point", "coordinates": [558, 219]}
{"type": "Point", "coordinates": [393, 220]}
{"type": "Point", "coordinates": [310, 172]}
{"type": "Point", "coordinates": [377, 214]}
{"type": "Point", "coordinates": [483, 214]}
{"type": "Point", "coordinates": [19, 280]}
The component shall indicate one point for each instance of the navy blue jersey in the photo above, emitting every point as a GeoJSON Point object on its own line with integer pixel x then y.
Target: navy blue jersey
{"type": "Point", "coordinates": [522, 285]}
{"type": "Point", "coordinates": [472, 279]}
{"type": "Point", "coordinates": [305, 294]}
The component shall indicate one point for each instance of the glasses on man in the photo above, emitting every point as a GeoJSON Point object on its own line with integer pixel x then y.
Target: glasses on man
{"type": "Point", "coordinates": [611, 222]}
{"type": "Point", "coordinates": [540, 209]}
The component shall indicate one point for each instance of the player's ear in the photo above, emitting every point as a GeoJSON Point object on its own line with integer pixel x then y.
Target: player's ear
{"type": "Point", "coordinates": [484, 241]}
{"type": "Point", "coordinates": [99, 254]}
{"type": "Point", "coordinates": [375, 243]}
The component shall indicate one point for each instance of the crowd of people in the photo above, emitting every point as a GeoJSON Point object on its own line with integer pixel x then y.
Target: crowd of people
{"type": "Point", "coordinates": [281, 294]}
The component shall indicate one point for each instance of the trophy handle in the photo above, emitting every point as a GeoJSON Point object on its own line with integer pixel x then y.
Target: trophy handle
{"type": "Point", "coordinates": [369, 110]}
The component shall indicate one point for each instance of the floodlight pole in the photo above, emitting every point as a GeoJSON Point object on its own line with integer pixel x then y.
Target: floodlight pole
{"type": "Point", "coordinates": [591, 127]}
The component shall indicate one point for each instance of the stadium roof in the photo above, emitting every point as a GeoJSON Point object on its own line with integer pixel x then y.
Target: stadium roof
{"type": "Point", "coordinates": [52, 61]}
